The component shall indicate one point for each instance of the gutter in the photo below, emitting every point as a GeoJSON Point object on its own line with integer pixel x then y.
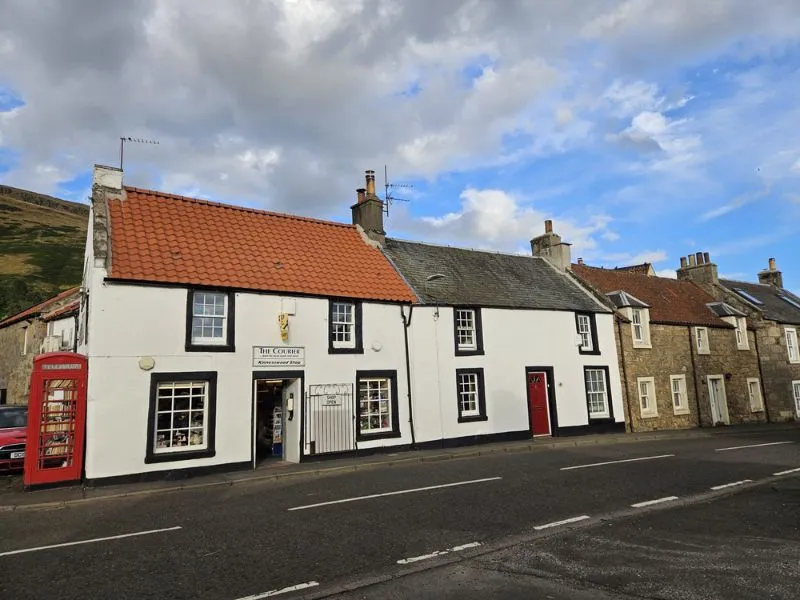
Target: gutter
{"type": "Point", "coordinates": [694, 379]}
{"type": "Point", "coordinates": [406, 325]}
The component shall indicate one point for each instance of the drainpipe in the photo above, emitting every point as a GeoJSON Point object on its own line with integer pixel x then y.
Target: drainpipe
{"type": "Point", "coordinates": [406, 325]}
{"type": "Point", "coordinates": [694, 379]}
{"type": "Point", "coordinates": [75, 334]}
{"type": "Point", "coordinates": [624, 371]}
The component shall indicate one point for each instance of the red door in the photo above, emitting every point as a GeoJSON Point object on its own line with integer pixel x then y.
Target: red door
{"type": "Point", "coordinates": [537, 398]}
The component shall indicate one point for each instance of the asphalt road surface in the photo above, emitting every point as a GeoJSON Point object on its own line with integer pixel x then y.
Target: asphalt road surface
{"type": "Point", "coordinates": [635, 520]}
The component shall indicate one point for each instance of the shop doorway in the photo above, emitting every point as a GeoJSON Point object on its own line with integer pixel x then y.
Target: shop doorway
{"type": "Point", "coordinates": [276, 404]}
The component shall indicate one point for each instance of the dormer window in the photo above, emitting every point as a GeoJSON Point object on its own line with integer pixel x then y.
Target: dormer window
{"type": "Point", "coordinates": [640, 326]}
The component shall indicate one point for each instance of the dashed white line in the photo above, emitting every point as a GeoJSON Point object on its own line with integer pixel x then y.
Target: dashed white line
{"type": "Point", "coordinates": [413, 559]}
{"type": "Point", "coordinates": [411, 491]}
{"type": "Point", "coordinates": [727, 485]}
{"type": "Point", "coordinates": [787, 472]}
{"type": "Point", "coordinates": [286, 590]}
{"type": "Point", "coordinates": [751, 446]}
{"type": "Point", "coordinates": [652, 502]}
{"type": "Point", "coordinates": [614, 462]}
{"type": "Point", "coordinates": [92, 541]}
{"type": "Point", "coordinates": [564, 522]}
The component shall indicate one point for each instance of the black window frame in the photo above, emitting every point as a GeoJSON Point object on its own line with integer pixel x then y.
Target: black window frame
{"type": "Point", "coordinates": [210, 450]}
{"type": "Point", "coordinates": [593, 332]}
{"type": "Point", "coordinates": [230, 334]}
{"type": "Point", "coordinates": [610, 417]}
{"type": "Point", "coordinates": [478, 331]}
{"type": "Point", "coordinates": [358, 322]}
{"type": "Point", "coordinates": [391, 375]}
{"type": "Point", "coordinates": [481, 416]}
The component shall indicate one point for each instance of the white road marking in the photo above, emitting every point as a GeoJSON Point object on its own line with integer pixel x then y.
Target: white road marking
{"type": "Point", "coordinates": [413, 559]}
{"type": "Point", "coordinates": [564, 522]}
{"type": "Point", "coordinates": [614, 462]}
{"type": "Point", "coordinates": [752, 446]}
{"type": "Point", "coordinates": [787, 472]}
{"type": "Point", "coordinates": [411, 491]}
{"type": "Point", "coordinates": [293, 588]}
{"type": "Point", "coordinates": [651, 502]}
{"type": "Point", "coordinates": [102, 539]}
{"type": "Point", "coordinates": [727, 485]}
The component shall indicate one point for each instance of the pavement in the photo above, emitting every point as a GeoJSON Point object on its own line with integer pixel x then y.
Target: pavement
{"type": "Point", "coordinates": [488, 526]}
{"type": "Point", "coordinates": [14, 497]}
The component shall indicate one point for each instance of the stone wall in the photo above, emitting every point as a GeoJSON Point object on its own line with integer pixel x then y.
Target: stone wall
{"type": "Point", "coordinates": [735, 366]}
{"type": "Point", "coordinates": [15, 368]}
{"type": "Point", "coordinates": [778, 372]}
{"type": "Point", "coordinates": [669, 355]}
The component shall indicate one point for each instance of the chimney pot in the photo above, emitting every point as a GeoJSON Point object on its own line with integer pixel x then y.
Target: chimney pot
{"type": "Point", "coordinates": [706, 258]}
{"type": "Point", "coordinates": [772, 266]}
{"type": "Point", "coordinates": [361, 195]}
{"type": "Point", "coordinates": [370, 177]}
{"type": "Point", "coordinates": [683, 262]}
{"type": "Point", "coordinates": [699, 257]}
{"type": "Point", "coordinates": [548, 226]}
{"type": "Point", "coordinates": [692, 261]}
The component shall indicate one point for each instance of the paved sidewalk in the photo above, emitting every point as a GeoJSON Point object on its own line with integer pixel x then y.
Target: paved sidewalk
{"type": "Point", "coordinates": [12, 496]}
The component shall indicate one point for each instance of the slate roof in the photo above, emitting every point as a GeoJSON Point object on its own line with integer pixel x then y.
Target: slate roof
{"type": "Point", "coordinates": [488, 279]}
{"type": "Point", "coordinates": [773, 305]}
{"type": "Point", "coordinates": [163, 238]}
{"type": "Point", "coordinates": [38, 309]}
{"type": "Point", "coordinates": [725, 310]}
{"type": "Point", "coordinates": [622, 299]}
{"type": "Point", "coordinates": [643, 268]}
{"type": "Point", "coordinates": [671, 301]}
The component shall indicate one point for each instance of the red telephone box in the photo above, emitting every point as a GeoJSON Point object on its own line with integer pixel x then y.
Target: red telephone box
{"type": "Point", "coordinates": [56, 419]}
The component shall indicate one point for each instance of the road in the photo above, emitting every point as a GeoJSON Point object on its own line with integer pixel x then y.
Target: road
{"type": "Point", "coordinates": [479, 527]}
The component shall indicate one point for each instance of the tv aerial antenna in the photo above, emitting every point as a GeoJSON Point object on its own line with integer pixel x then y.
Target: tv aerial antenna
{"type": "Point", "coordinates": [122, 141]}
{"type": "Point", "coordinates": [388, 196]}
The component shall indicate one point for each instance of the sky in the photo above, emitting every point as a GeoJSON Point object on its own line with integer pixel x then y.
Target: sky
{"type": "Point", "coordinates": [646, 130]}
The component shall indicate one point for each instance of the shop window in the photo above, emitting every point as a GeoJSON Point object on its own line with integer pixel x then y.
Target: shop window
{"type": "Point", "coordinates": [377, 405]}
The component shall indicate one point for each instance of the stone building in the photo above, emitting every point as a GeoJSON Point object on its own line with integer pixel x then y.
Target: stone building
{"type": "Point", "coordinates": [47, 327]}
{"type": "Point", "coordinates": [774, 313]}
{"type": "Point", "coordinates": [686, 360]}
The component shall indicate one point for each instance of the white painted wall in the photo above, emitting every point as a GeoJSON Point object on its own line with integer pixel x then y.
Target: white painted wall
{"type": "Point", "coordinates": [512, 340]}
{"type": "Point", "coordinates": [128, 322]}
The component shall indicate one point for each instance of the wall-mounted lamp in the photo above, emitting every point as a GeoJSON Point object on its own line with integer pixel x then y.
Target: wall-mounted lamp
{"type": "Point", "coordinates": [428, 279]}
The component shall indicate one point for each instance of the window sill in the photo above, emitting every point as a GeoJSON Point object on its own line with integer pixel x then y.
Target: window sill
{"type": "Point", "coordinates": [642, 345]}
{"type": "Point", "coordinates": [704, 352]}
{"type": "Point", "coordinates": [478, 352]}
{"type": "Point", "coordinates": [743, 347]}
{"type": "Point", "coordinates": [356, 350]}
{"type": "Point", "coordinates": [757, 410]}
{"type": "Point", "coordinates": [210, 348]}
{"type": "Point", "coordinates": [473, 419]}
{"type": "Point", "coordinates": [600, 420]}
{"type": "Point", "coordinates": [794, 362]}
{"type": "Point", "coordinates": [681, 411]}
{"type": "Point", "coordinates": [649, 415]}
{"type": "Point", "coordinates": [588, 352]}
{"type": "Point", "coordinates": [368, 437]}
{"type": "Point", "coordinates": [178, 456]}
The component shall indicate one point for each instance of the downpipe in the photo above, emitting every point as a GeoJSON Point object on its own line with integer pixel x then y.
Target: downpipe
{"type": "Point", "coordinates": [406, 325]}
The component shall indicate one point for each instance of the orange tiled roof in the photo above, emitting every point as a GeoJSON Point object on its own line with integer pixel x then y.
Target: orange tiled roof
{"type": "Point", "coordinates": [643, 268]}
{"type": "Point", "coordinates": [70, 307]}
{"type": "Point", "coordinates": [158, 237]}
{"type": "Point", "coordinates": [671, 301]}
{"type": "Point", "coordinates": [36, 310]}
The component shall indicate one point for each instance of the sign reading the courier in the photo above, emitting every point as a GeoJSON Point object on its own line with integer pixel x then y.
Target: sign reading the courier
{"type": "Point", "coordinates": [279, 356]}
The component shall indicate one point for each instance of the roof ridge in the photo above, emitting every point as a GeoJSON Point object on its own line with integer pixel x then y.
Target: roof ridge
{"type": "Point", "coordinates": [500, 252]}
{"type": "Point", "coordinates": [764, 285]}
{"type": "Point", "coordinates": [217, 204]}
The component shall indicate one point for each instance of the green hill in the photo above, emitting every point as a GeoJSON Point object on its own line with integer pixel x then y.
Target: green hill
{"type": "Point", "coordinates": [42, 241]}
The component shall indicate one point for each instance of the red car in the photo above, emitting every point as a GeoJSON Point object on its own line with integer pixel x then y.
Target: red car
{"type": "Point", "coordinates": [13, 433]}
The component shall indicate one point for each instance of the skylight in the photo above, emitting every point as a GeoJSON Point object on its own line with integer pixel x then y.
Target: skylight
{"type": "Point", "coordinates": [791, 301]}
{"type": "Point", "coordinates": [747, 296]}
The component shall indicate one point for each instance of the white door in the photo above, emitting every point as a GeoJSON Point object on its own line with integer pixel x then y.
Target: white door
{"type": "Point", "coordinates": [719, 402]}
{"type": "Point", "coordinates": [796, 390]}
{"type": "Point", "coordinates": [292, 395]}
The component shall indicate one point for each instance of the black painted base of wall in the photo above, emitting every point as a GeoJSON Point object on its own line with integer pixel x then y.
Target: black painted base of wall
{"type": "Point", "coordinates": [169, 475]}
{"type": "Point", "coordinates": [597, 428]}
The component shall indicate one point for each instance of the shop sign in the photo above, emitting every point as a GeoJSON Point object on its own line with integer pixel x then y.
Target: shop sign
{"type": "Point", "coordinates": [279, 356]}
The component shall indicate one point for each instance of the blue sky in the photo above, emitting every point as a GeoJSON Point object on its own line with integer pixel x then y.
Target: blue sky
{"type": "Point", "coordinates": [646, 130]}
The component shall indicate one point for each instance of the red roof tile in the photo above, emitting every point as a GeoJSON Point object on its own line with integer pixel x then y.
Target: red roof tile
{"type": "Point", "coordinates": [38, 309]}
{"type": "Point", "coordinates": [67, 309]}
{"type": "Point", "coordinates": [158, 237]}
{"type": "Point", "coordinates": [671, 301]}
{"type": "Point", "coordinates": [643, 268]}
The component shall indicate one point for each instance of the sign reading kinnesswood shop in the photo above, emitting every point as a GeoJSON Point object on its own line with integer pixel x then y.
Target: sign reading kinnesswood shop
{"type": "Point", "coordinates": [279, 356]}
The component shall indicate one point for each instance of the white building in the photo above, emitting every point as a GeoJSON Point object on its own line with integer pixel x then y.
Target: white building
{"type": "Point", "coordinates": [219, 336]}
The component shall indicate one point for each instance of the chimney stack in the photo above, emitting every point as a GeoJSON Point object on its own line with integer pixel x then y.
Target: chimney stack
{"type": "Point", "coordinates": [550, 247]}
{"type": "Point", "coordinates": [580, 261]}
{"type": "Point", "coordinates": [698, 267]}
{"type": "Point", "coordinates": [368, 210]}
{"type": "Point", "coordinates": [771, 276]}
{"type": "Point", "coordinates": [109, 178]}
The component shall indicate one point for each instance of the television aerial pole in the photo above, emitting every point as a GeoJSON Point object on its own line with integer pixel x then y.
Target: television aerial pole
{"type": "Point", "coordinates": [122, 141]}
{"type": "Point", "coordinates": [388, 197]}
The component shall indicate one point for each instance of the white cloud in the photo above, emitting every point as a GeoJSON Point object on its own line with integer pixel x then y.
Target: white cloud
{"type": "Point", "coordinates": [668, 273]}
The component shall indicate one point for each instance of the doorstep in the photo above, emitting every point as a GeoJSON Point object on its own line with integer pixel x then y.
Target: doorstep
{"type": "Point", "coordinates": [12, 497]}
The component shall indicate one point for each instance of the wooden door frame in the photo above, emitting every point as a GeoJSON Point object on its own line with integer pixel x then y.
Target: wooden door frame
{"type": "Point", "coordinates": [551, 398]}
{"type": "Point", "coordinates": [724, 398]}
